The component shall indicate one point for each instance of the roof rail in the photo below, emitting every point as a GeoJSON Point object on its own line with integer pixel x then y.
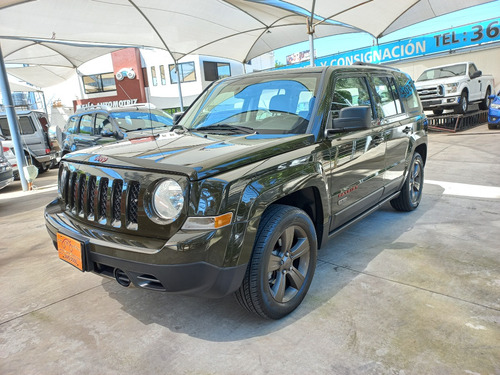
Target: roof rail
{"type": "Point", "coordinates": [362, 63]}
{"type": "Point", "coordinates": [141, 105]}
{"type": "Point", "coordinates": [93, 107]}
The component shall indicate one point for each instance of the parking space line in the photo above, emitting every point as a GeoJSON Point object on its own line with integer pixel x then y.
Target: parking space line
{"type": "Point", "coordinates": [467, 190]}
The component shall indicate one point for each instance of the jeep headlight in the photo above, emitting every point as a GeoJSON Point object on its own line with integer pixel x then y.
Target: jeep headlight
{"type": "Point", "coordinates": [451, 87]}
{"type": "Point", "coordinates": [168, 200]}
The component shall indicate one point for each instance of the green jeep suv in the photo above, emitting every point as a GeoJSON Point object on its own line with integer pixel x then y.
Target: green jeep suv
{"type": "Point", "coordinates": [247, 186]}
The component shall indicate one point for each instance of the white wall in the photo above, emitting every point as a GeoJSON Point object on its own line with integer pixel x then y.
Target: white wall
{"type": "Point", "coordinates": [167, 95]}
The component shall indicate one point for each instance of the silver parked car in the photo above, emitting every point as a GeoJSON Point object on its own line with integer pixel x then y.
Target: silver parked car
{"type": "Point", "coordinates": [33, 126]}
{"type": "Point", "coordinates": [6, 175]}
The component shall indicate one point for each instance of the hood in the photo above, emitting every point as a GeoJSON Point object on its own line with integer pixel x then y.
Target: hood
{"type": "Point", "coordinates": [437, 82]}
{"type": "Point", "coordinates": [197, 155]}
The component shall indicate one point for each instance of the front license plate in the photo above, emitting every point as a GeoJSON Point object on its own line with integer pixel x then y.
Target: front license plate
{"type": "Point", "coordinates": [70, 250]}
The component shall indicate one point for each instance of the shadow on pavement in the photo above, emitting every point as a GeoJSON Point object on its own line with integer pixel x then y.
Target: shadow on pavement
{"type": "Point", "coordinates": [341, 260]}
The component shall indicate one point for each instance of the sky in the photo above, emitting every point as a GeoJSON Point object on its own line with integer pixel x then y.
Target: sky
{"type": "Point", "coordinates": [341, 43]}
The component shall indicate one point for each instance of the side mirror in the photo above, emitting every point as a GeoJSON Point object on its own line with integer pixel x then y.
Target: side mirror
{"type": "Point", "coordinates": [492, 97]}
{"type": "Point", "coordinates": [351, 119]}
{"type": "Point", "coordinates": [177, 116]}
{"type": "Point", "coordinates": [476, 74]}
{"type": "Point", "coordinates": [108, 133]}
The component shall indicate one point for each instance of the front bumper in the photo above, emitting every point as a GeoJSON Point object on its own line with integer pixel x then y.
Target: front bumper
{"type": "Point", "coordinates": [448, 101]}
{"type": "Point", "coordinates": [494, 117]}
{"type": "Point", "coordinates": [145, 261]}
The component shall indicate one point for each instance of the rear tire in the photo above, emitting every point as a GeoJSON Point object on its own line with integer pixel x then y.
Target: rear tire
{"type": "Point", "coordinates": [492, 126]}
{"type": "Point", "coordinates": [485, 103]}
{"type": "Point", "coordinates": [282, 265]}
{"type": "Point", "coordinates": [411, 192]}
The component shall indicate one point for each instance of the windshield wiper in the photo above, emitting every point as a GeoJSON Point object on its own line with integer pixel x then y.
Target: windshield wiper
{"type": "Point", "coordinates": [226, 127]}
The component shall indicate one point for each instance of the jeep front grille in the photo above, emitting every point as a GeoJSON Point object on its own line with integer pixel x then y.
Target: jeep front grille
{"type": "Point", "coordinates": [112, 202]}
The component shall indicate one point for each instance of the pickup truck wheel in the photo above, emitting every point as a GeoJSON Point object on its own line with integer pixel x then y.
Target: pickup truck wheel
{"type": "Point", "coordinates": [464, 103]}
{"type": "Point", "coordinates": [485, 103]}
{"type": "Point", "coordinates": [411, 192]}
{"type": "Point", "coordinates": [282, 265]}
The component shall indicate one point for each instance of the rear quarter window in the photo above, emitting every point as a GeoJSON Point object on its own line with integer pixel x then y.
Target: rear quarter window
{"type": "Point", "coordinates": [25, 126]}
{"type": "Point", "coordinates": [408, 94]}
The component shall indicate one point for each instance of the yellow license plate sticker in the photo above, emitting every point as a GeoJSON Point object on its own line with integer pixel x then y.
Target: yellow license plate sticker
{"type": "Point", "coordinates": [70, 250]}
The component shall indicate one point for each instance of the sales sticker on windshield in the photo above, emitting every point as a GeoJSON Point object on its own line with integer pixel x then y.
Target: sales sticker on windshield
{"type": "Point", "coordinates": [70, 250]}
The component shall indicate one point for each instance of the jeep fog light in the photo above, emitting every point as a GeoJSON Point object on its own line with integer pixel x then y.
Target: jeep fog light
{"type": "Point", "coordinates": [207, 223]}
{"type": "Point", "coordinates": [168, 200]}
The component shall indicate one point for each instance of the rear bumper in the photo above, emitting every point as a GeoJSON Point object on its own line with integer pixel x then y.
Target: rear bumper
{"type": "Point", "coordinates": [193, 278]}
{"type": "Point", "coordinates": [47, 158]}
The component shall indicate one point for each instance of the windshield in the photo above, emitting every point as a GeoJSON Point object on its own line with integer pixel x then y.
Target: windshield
{"type": "Point", "coordinates": [443, 72]}
{"type": "Point", "coordinates": [281, 105]}
{"type": "Point", "coordinates": [135, 120]}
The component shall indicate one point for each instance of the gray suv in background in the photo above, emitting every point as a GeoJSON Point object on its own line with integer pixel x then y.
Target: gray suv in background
{"type": "Point", "coordinates": [99, 125]}
{"type": "Point", "coordinates": [33, 126]}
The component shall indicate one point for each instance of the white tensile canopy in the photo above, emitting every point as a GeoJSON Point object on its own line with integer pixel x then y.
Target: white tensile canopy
{"type": "Point", "coordinates": [56, 36]}
{"type": "Point", "coordinates": [51, 33]}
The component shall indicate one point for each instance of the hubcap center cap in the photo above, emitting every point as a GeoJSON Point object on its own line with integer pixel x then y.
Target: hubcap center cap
{"type": "Point", "coordinates": [286, 263]}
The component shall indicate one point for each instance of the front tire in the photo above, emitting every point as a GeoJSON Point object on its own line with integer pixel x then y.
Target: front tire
{"type": "Point", "coordinates": [282, 265]}
{"type": "Point", "coordinates": [411, 192]}
{"type": "Point", "coordinates": [464, 103]}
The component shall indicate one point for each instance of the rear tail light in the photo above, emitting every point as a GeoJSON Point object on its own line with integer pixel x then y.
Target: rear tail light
{"type": "Point", "coordinates": [47, 150]}
{"type": "Point", "coordinates": [5, 149]}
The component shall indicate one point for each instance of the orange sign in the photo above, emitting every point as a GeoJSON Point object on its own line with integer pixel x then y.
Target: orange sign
{"type": "Point", "coordinates": [70, 250]}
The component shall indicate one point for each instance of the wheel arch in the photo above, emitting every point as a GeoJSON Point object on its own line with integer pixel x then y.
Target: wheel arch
{"type": "Point", "coordinates": [306, 191]}
{"type": "Point", "coordinates": [422, 150]}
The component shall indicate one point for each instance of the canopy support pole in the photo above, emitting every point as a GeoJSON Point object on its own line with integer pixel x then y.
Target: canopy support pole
{"type": "Point", "coordinates": [179, 85]}
{"type": "Point", "coordinates": [310, 31]}
{"type": "Point", "coordinates": [12, 120]}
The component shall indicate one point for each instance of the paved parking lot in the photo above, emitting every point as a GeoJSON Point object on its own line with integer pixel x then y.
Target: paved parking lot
{"type": "Point", "coordinates": [398, 293]}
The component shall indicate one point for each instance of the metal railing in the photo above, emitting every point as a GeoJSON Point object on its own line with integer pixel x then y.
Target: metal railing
{"type": "Point", "coordinates": [454, 122]}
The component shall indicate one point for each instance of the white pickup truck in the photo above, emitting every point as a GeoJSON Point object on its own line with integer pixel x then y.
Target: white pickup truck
{"type": "Point", "coordinates": [454, 86]}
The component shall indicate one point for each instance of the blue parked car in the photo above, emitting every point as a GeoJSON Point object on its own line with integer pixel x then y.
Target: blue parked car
{"type": "Point", "coordinates": [494, 112]}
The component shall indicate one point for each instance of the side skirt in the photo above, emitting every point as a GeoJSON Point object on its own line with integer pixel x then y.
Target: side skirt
{"type": "Point", "coordinates": [338, 230]}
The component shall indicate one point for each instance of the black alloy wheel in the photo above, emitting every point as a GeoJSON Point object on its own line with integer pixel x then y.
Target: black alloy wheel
{"type": "Point", "coordinates": [411, 192]}
{"type": "Point", "coordinates": [282, 265]}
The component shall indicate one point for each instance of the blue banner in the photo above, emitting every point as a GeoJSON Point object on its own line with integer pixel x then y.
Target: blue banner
{"type": "Point", "coordinates": [456, 38]}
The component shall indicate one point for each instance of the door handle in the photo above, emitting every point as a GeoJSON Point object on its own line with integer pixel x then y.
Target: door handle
{"type": "Point", "coordinates": [407, 129]}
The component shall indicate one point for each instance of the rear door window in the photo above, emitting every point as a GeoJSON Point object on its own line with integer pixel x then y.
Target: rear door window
{"type": "Point", "coordinates": [386, 99]}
